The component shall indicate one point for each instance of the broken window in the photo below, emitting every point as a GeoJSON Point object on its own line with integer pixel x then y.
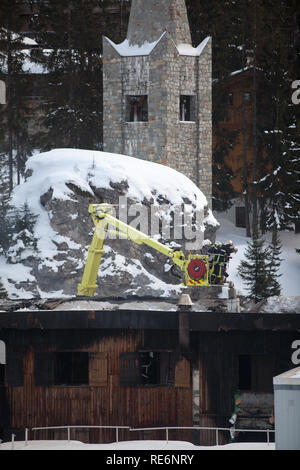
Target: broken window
{"type": "Point", "coordinates": [147, 368]}
{"type": "Point", "coordinates": [136, 108]}
{"type": "Point", "coordinates": [70, 368]}
{"type": "Point", "coordinates": [186, 108]}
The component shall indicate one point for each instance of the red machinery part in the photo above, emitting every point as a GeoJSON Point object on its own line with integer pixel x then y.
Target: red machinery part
{"type": "Point", "coordinates": [196, 268]}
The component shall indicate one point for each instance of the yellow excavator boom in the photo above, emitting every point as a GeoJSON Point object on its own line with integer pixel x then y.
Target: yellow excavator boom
{"type": "Point", "coordinates": [195, 267]}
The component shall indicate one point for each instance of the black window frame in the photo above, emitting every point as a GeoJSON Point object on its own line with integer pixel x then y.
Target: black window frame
{"type": "Point", "coordinates": [50, 367]}
{"type": "Point", "coordinates": [147, 368]}
{"type": "Point", "coordinates": [187, 108]}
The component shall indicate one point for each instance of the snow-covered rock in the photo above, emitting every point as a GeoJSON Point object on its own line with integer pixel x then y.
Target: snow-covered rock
{"type": "Point", "coordinates": [277, 304]}
{"type": "Point", "coordinates": [58, 189]}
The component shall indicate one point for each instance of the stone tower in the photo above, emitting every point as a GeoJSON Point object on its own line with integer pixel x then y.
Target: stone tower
{"type": "Point", "coordinates": [157, 92]}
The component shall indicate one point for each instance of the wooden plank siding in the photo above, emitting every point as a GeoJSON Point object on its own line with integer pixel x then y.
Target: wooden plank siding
{"type": "Point", "coordinates": [104, 400]}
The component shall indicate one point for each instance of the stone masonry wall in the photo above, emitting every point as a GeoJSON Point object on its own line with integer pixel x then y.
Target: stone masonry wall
{"type": "Point", "coordinates": [164, 75]}
{"type": "Point", "coordinates": [205, 122]}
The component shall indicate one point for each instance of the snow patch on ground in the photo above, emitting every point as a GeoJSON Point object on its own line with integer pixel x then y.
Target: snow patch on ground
{"type": "Point", "coordinates": [290, 265]}
{"type": "Point", "coordinates": [132, 445]}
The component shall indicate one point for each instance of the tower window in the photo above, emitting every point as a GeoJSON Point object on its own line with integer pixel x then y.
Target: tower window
{"type": "Point", "coordinates": [186, 108]}
{"type": "Point", "coordinates": [136, 108]}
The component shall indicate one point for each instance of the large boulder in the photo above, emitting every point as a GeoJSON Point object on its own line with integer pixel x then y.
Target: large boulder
{"type": "Point", "coordinates": [58, 189]}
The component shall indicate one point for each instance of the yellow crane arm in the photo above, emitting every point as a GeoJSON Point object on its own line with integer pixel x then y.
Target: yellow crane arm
{"type": "Point", "coordinates": [102, 218]}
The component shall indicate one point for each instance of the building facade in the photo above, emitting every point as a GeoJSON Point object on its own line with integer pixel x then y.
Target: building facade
{"type": "Point", "coordinates": [157, 92]}
{"type": "Point", "coordinates": [138, 368]}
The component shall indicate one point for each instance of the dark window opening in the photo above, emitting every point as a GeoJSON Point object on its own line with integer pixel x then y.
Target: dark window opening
{"type": "Point", "coordinates": [147, 368]}
{"type": "Point", "coordinates": [71, 368]}
{"type": "Point", "coordinates": [137, 108]}
{"type": "Point", "coordinates": [240, 217]}
{"type": "Point", "coordinates": [245, 372]}
{"type": "Point", "coordinates": [186, 108]}
{"type": "Point", "coordinates": [230, 99]}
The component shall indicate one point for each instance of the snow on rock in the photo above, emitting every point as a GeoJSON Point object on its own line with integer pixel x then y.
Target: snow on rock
{"type": "Point", "coordinates": [278, 304]}
{"type": "Point", "coordinates": [60, 185]}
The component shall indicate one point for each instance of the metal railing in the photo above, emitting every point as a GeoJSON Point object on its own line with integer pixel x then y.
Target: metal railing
{"type": "Point", "coordinates": [68, 428]}
{"type": "Point", "coordinates": [160, 428]}
{"type": "Point", "coordinates": [205, 428]}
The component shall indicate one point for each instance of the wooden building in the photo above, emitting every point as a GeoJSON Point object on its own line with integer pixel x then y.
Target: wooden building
{"type": "Point", "coordinates": [136, 368]}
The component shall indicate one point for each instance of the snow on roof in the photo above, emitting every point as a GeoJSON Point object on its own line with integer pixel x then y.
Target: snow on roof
{"type": "Point", "coordinates": [187, 49]}
{"type": "Point", "coordinates": [236, 72]}
{"type": "Point", "coordinates": [126, 50]}
{"type": "Point", "coordinates": [29, 42]}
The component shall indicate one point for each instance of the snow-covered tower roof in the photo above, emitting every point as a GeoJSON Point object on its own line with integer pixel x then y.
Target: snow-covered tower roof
{"type": "Point", "coordinates": [151, 18]}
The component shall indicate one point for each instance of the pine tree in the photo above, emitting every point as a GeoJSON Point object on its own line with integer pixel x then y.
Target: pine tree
{"type": "Point", "coordinates": [254, 270]}
{"type": "Point", "coordinates": [274, 265]}
{"type": "Point", "coordinates": [208, 19]}
{"type": "Point", "coordinates": [71, 54]}
{"type": "Point", "coordinates": [23, 240]}
{"type": "Point", "coordinates": [3, 293]}
{"type": "Point", "coordinates": [5, 224]}
{"type": "Point", "coordinates": [12, 58]}
{"type": "Point", "coordinates": [280, 121]}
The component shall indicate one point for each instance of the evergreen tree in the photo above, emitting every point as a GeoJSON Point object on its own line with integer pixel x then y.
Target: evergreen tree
{"type": "Point", "coordinates": [3, 293]}
{"type": "Point", "coordinates": [5, 224]}
{"type": "Point", "coordinates": [279, 119]}
{"type": "Point", "coordinates": [12, 57]}
{"type": "Point", "coordinates": [254, 270]}
{"type": "Point", "coordinates": [23, 240]}
{"type": "Point", "coordinates": [208, 19]}
{"type": "Point", "coordinates": [274, 265]}
{"type": "Point", "coordinates": [71, 54]}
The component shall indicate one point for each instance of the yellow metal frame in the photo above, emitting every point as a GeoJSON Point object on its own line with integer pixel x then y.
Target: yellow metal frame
{"type": "Point", "coordinates": [102, 218]}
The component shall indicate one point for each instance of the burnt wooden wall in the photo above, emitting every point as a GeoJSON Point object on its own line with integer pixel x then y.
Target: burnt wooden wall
{"type": "Point", "coordinates": [106, 402]}
{"type": "Point", "coordinates": [99, 403]}
{"type": "Point", "coordinates": [217, 360]}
